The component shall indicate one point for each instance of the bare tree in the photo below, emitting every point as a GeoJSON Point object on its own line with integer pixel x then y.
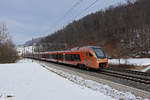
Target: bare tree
{"type": "Point", "coordinates": [8, 53]}
{"type": "Point", "coordinates": [3, 33]}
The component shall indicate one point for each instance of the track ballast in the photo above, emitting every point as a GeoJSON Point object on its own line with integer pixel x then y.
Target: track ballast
{"type": "Point", "coordinates": [140, 77]}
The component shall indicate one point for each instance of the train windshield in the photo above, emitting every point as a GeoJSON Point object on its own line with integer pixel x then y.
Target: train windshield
{"type": "Point", "coordinates": [99, 53]}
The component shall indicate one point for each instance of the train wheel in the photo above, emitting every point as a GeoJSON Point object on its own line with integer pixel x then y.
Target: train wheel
{"type": "Point", "coordinates": [81, 66]}
{"type": "Point", "coordinates": [87, 69]}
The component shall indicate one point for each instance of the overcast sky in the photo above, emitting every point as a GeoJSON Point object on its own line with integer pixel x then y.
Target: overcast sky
{"type": "Point", "coordinates": [34, 18]}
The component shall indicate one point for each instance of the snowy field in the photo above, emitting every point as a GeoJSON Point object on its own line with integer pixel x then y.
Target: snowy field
{"type": "Point", "coordinates": [133, 61]}
{"type": "Point", "coordinates": [30, 81]}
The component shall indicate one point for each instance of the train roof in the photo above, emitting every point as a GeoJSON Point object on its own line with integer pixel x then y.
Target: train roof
{"type": "Point", "coordinates": [93, 47]}
{"type": "Point", "coordinates": [77, 48]}
{"type": "Point", "coordinates": [73, 49]}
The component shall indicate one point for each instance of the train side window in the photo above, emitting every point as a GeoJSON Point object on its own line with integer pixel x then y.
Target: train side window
{"type": "Point", "coordinates": [57, 56]}
{"type": "Point", "coordinates": [60, 56]}
{"type": "Point", "coordinates": [72, 57]}
{"type": "Point", "coordinates": [77, 57]}
{"type": "Point", "coordinates": [54, 56]}
{"type": "Point", "coordinates": [50, 56]}
{"type": "Point", "coordinates": [42, 56]}
{"type": "Point", "coordinates": [90, 55]}
{"type": "Point", "coordinates": [68, 57]}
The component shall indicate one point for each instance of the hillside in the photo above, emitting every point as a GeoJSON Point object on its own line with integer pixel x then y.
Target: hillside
{"type": "Point", "coordinates": [122, 31]}
{"type": "Point", "coordinates": [29, 43]}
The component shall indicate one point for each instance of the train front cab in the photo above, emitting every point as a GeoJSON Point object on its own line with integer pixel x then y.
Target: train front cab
{"type": "Point", "coordinates": [96, 58]}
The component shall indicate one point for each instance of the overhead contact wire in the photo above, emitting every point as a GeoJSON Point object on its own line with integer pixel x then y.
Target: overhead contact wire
{"type": "Point", "coordinates": [86, 8]}
{"type": "Point", "coordinates": [68, 11]}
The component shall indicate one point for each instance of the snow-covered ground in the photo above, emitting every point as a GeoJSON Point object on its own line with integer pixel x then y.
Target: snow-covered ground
{"type": "Point", "coordinates": [133, 61]}
{"type": "Point", "coordinates": [25, 49]}
{"type": "Point", "coordinates": [146, 69]}
{"type": "Point", "coordinates": [30, 81]}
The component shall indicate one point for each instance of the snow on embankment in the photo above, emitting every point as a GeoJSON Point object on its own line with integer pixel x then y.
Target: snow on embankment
{"type": "Point", "coordinates": [105, 89]}
{"type": "Point", "coordinates": [146, 69]}
{"type": "Point", "coordinates": [30, 81]}
{"type": "Point", "coordinates": [132, 61]}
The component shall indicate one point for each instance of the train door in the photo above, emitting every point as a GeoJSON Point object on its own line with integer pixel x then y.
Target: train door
{"type": "Point", "coordinates": [90, 58]}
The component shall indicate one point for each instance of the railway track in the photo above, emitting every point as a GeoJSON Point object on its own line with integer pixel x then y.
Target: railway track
{"type": "Point", "coordinates": [128, 78]}
{"type": "Point", "coordinates": [122, 84]}
{"type": "Point", "coordinates": [128, 75]}
{"type": "Point", "coordinates": [131, 71]}
{"type": "Point", "coordinates": [136, 76]}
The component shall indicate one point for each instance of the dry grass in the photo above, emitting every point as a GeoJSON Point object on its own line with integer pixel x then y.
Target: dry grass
{"type": "Point", "coordinates": [122, 66]}
{"type": "Point", "coordinates": [148, 71]}
{"type": "Point", "coordinates": [128, 67]}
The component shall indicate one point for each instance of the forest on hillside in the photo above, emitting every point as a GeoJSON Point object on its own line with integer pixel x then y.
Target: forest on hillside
{"type": "Point", "coordinates": [122, 31]}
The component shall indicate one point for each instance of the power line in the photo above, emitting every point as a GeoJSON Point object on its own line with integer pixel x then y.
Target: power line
{"type": "Point", "coordinates": [66, 13]}
{"type": "Point", "coordinates": [86, 8]}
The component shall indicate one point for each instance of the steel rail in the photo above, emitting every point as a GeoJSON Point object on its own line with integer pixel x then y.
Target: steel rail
{"type": "Point", "coordinates": [131, 71]}
{"type": "Point", "coordinates": [127, 76]}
